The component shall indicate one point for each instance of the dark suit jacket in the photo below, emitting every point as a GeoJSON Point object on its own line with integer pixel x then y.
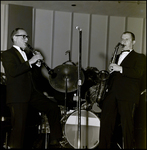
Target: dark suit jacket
{"type": "Point", "coordinates": [20, 76]}
{"type": "Point", "coordinates": [126, 86]}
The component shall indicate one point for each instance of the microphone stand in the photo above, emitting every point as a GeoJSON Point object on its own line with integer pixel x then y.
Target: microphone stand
{"type": "Point", "coordinates": [65, 98]}
{"type": "Point", "coordinates": [79, 90]}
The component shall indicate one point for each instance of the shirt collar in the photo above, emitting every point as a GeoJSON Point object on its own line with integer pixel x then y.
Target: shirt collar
{"type": "Point", "coordinates": [126, 51]}
{"type": "Point", "coordinates": [17, 47]}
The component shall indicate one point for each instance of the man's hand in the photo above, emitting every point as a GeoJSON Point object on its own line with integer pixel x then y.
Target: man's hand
{"type": "Point", "coordinates": [114, 67]}
{"type": "Point", "coordinates": [35, 58]}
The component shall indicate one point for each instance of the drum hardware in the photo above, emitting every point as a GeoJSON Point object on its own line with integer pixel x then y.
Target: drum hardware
{"type": "Point", "coordinates": [66, 79]}
{"type": "Point", "coordinates": [64, 143]}
{"type": "Point", "coordinates": [3, 79]}
{"type": "Point", "coordinates": [85, 106]}
{"type": "Point", "coordinates": [75, 98]}
{"type": "Point", "coordinates": [69, 61]}
{"type": "Point", "coordinates": [44, 128]}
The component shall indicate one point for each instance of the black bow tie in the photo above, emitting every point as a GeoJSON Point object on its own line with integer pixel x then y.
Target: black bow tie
{"type": "Point", "coordinates": [125, 51]}
{"type": "Point", "coordinates": [24, 50]}
{"type": "Point", "coordinates": [21, 49]}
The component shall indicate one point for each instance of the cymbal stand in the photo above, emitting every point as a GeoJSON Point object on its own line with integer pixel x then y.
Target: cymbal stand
{"type": "Point", "coordinates": [79, 88]}
{"type": "Point", "coordinates": [65, 97]}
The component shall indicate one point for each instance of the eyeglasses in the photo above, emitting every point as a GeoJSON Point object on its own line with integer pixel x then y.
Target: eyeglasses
{"type": "Point", "coordinates": [24, 36]}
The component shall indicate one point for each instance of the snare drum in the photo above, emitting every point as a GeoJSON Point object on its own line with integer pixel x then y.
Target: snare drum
{"type": "Point", "coordinates": [90, 127]}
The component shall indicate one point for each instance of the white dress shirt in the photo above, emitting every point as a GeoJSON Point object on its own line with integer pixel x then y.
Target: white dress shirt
{"type": "Point", "coordinates": [25, 56]}
{"type": "Point", "coordinates": [122, 57]}
{"type": "Point", "coordinates": [21, 52]}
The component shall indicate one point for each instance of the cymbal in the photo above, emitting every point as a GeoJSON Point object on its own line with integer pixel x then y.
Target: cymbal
{"type": "Point", "coordinates": [66, 78]}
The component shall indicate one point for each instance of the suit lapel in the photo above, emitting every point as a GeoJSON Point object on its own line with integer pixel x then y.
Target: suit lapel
{"type": "Point", "coordinates": [127, 58]}
{"type": "Point", "coordinates": [19, 55]}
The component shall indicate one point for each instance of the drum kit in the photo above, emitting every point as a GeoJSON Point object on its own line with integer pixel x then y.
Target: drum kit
{"type": "Point", "coordinates": [66, 81]}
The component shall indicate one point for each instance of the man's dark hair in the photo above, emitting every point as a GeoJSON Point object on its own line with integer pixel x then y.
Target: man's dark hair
{"type": "Point", "coordinates": [132, 35]}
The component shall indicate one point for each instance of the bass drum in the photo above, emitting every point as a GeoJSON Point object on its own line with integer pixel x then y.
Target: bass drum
{"type": "Point", "coordinates": [90, 127]}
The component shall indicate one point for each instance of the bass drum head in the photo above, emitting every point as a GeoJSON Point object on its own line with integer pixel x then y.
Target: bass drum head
{"type": "Point", "coordinates": [90, 127]}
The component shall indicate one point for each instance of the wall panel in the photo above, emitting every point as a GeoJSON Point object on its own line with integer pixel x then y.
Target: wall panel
{"type": "Point", "coordinates": [98, 41]}
{"type": "Point", "coordinates": [54, 33]}
{"type": "Point", "coordinates": [61, 38]}
{"type": "Point", "coordinates": [116, 28]}
{"type": "Point", "coordinates": [4, 26]}
{"type": "Point", "coordinates": [144, 38]}
{"type": "Point", "coordinates": [19, 16]}
{"type": "Point", "coordinates": [83, 21]}
{"type": "Point", "coordinates": [135, 25]}
{"type": "Point", "coordinates": [43, 35]}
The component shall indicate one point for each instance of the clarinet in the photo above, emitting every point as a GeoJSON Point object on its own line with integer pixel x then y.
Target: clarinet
{"type": "Point", "coordinates": [50, 71]}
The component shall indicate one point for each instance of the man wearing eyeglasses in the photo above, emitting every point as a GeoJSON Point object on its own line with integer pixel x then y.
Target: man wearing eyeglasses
{"type": "Point", "coordinates": [23, 73]}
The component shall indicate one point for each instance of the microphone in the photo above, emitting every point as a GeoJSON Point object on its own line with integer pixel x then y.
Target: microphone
{"type": "Point", "coordinates": [78, 28]}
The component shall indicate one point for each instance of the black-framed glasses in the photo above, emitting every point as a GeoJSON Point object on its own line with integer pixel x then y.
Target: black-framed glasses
{"type": "Point", "coordinates": [24, 36]}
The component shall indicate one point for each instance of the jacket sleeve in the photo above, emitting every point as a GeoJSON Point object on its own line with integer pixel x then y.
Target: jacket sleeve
{"type": "Point", "coordinates": [12, 64]}
{"type": "Point", "coordinates": [138, 68]}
